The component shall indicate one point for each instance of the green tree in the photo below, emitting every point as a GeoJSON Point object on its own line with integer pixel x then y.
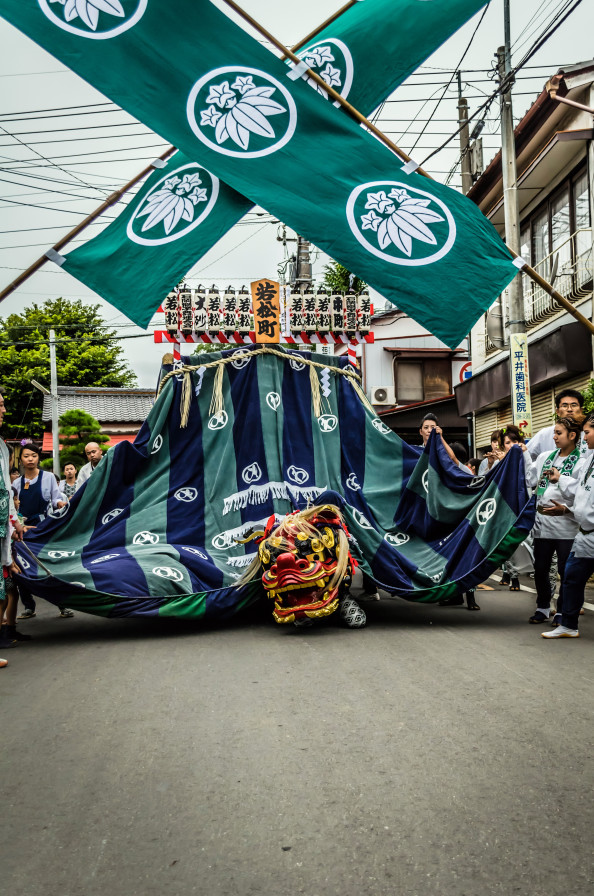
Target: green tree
{"type": "Point", "coordinates": [589, 398]}
{"type": "Point", "coordinates": [87, 354]}
{"type": "Point", "coordinates": [337, 278]}
{"type": "Point", "coordinates": [76, 429]}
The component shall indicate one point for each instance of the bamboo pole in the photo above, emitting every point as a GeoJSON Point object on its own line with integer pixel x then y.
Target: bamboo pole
{"type": "Point", "coordinates": [111, 200]}
{"type": "Point", "coordinates": [526, 268]}
{"type": "Point", "coordinates": [117, 195]}
{"type": "Point", "coordinates": [325, 24]}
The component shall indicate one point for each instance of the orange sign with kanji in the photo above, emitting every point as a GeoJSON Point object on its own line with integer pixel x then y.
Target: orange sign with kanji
{"type": "Point", "coordinates": [266, 305]}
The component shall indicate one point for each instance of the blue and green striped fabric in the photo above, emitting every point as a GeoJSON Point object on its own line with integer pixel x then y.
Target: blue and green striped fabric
{"type": "Point", "coordinates": [154, 531]}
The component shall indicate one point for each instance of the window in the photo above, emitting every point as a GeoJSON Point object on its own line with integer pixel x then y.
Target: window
{"type": "Point", "coordinates": [560, 227]}
{"type": "Point", "coordinates": [423, 380]}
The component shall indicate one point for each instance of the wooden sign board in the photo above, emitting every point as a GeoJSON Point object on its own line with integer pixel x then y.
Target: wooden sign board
{"type": "Point", "coordinates": [266, 305]}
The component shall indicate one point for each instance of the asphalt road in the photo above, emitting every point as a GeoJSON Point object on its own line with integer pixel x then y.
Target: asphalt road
{"type": "Point", "coordinates": [437, 751]}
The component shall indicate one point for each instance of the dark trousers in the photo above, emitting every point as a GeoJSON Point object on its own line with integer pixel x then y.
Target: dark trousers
{"type": "Point", "coordinates": [27, 598]}
{"type": "Point", "coordinates": [577, 572]}
{"type": "Point", "coordinates": [544, 548]}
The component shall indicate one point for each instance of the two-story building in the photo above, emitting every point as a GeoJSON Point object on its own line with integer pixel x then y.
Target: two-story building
{"type": "Point", "coordinates": [555, 153]}
{"type": "Point", "coordinates": [407, 372]}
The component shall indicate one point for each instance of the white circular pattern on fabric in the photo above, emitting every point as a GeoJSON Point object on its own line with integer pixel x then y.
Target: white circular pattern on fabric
{"type": "Point", "coordinates": [328, 422]}
{"type": "Point", "coordinates": [273, 400]}
{"type": "Point", "coordinates": [186, 494]}
{"type": "Point", "coordinates": [400, 222]}
{"type": "Point", "coordinates": [396, 539]}
{"type": "Point", "coordinates": [166, 572]}
{"type": "Point", "coordinates": [485, 511]}
{"type": "Point", "coordinates": [238, 110]}
{"type": "Point", "coordinates": [145, 538]}
{"type": "Point", "coordinates": [90, 13]}
{"type": "Point", "coordinates": [251, 473]}
{"type": "Point", "coordinates": [171, 200]}
{"type": "Point", "coordinates": [218, 421]}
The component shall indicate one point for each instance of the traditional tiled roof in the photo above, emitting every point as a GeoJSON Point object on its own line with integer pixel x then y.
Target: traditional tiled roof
{"type": "Point", "coordinates": [105, 404]}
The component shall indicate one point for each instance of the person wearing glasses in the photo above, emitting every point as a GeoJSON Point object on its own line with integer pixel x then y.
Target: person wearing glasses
{"type": "Point", "coordinates": [568, 403]}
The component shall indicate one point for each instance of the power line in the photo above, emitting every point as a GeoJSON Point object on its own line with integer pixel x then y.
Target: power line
{"type": "Point", "coordinates": [448, 85]}
{"type": "Point", "coordinates": [508, 80]}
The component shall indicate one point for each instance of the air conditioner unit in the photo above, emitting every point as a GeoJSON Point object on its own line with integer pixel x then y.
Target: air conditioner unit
{"type": "Point", "coordinates": [382, 395]}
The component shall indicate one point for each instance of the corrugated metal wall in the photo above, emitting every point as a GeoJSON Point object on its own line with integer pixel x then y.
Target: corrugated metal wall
{"type": "Point", "coordinates": [543, 411]}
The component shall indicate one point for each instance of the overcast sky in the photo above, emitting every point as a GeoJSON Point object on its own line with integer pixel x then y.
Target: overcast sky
{"type": "Point", "coordinates": [55, 170]}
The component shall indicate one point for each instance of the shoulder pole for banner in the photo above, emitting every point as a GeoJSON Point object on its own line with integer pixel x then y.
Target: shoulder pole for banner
{"type": "Point", "coordinates": [115, 197]}
{"type": "Point", "coordinates": [111, 200]}
{"type": "Point", "coordinates": [358, 116]}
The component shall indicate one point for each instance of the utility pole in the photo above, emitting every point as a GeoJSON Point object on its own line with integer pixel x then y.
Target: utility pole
{"type": "Point", "coordinates": [303, 264]}
{"type": "Point", "coordinates": [518, 342]}
{"type": "Point", "coordinates": [464, 138]}
{"type": "Point", "coordinates": [54, 402]}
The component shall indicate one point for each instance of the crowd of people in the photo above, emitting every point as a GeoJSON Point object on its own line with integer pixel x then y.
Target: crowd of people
{"type": "Point", "coordinates": [27, 496]}
{"type": "Point", "coordinates": [559, 467]}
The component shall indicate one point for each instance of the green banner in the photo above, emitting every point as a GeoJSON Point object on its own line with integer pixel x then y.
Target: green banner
{"type": "Point", "coordinates": [258, 126]}
{"type": "Point", "coordinates": [181, 211]}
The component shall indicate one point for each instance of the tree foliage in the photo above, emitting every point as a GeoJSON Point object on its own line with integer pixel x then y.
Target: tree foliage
{"type": "Point", "coordinates": [337, 278]}
{"type": "Point", "coordinates": [589, 398]}
{"type": "Point", "coordinates": [77, 428]}
{"type": "Point", "coordinates": [87, 354]}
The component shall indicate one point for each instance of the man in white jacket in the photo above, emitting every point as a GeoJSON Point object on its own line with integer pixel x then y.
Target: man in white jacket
{"type": "Point", "coordinates": [95, 454]}
{"type": "Point", "coordinates": [568, 403]}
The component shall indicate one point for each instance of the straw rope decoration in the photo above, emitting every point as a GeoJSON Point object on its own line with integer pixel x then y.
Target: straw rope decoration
{"type": "Point", "coordinates": [217, 403]}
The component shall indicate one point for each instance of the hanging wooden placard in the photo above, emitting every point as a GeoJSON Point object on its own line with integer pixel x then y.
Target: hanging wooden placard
{"type": "Point", "coordinates": [266, 304]}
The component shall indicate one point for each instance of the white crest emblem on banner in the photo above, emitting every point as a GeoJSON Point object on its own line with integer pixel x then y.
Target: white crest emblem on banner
{"type": "Point", "coordinates": [297, 475]}
{"type": "Point", "coordinates": [175, 206]}
{"type": "Point", "coordinates": [400, 224]}
{"type": "Point", "coordinates": [252, 473]}
{"type": "Point", "coordinates": [195, 551]}
{"type": "Point", "coordinates": [361, 520]}
{"type": "Point", "coordinates": [296, 365]}
{"type": "Point", "coordinates": [273, 400]}
{"type": "Point", "coordinates": [218, 421]}
{"type": "Point", "coordinates": [485, 511]}
{"type": "Point", "coordinates": [328, 422]}
{"type": "Point", "coordinates": [353, 483]}
{"type": "Point", "coordinates": [111, 515]}
{"type": "Point", "coordinates": [157, 444]}
{"type": "Point", "coordinates": [58, 512]}
{"type": "Point", "coordinates": [97, 19]}
{"type": "Point", "coordinates": [331, 59]}
{"type": "Point", "coordinates": [104, 558]}
{"type": "Point", "coordinates": [243, 359]}
{"type": "Point", "coordinates": [241, 112]}
{"type": "Point", "coordinates": [396, 538]}
{"type": "Point", "coordinates": [58, 555]}
{"type": "Point", "coordinates": [381, 427]}
{"type": "Point", "coordinates": [166, 572]}
{"type": "Point", "coordinates": [186, 494]}
{"type": "Point", "coordinates": [145, 538]}
{"type": "Point", "coordinates": [425, 480]}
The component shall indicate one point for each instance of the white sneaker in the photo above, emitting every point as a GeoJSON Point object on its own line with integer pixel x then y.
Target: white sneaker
{"type": "Point", "coordinates": [561, 632]}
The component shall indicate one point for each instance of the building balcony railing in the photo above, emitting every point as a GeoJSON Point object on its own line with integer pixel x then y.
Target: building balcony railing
{"type": "Point", "coordinates": [573, 280]}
